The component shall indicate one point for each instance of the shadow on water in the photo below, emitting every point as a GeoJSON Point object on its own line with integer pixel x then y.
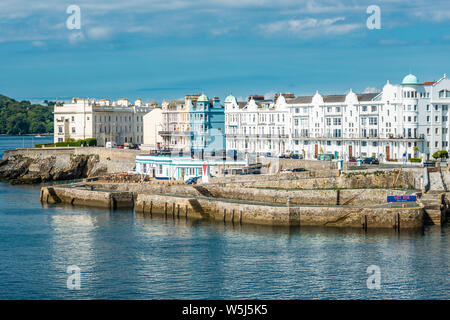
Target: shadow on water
{"type": "Point", "coordinates": [292, 231]}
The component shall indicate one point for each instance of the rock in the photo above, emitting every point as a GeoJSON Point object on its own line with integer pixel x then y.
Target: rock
{"type": "Point", "coordinates": [22, 170]}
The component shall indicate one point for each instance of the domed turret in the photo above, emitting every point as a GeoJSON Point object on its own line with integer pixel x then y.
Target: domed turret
{"type": "Point", "coordinates": [410, 79]}
{"type": "Point", "coordinates": [230, 99]}
{"type": "Point", "coordinates": [202, 98]}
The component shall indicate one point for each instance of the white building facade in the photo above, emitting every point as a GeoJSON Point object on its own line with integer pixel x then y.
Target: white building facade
{"type": "Point", "coordinates": [258, 126]}
{"type": "Point", "coordinates": [153, 125]}
{"type": "Point", "coordinates": [404, 121]}
{"type": "Point", "coordinates": [118, 121]}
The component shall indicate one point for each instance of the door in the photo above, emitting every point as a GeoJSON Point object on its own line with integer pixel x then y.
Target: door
{"type": "Point", "coordinates": [350, 151]}
{"type": "Point", "coordinates": [316, 151]}
{"type": "Point", "coordinates": [388, 153]}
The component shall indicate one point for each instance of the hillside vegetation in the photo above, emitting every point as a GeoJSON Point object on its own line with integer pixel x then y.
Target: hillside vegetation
{"type": "Point", "coordinates": [22, 117]}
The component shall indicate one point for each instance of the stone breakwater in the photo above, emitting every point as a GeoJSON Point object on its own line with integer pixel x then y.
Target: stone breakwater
{"type": "Point", "coordinates": [281, 215]}
{"type": "Point", "coordinates": [34, 165]}
{"type": "Point", "coordinates": [241, 205]}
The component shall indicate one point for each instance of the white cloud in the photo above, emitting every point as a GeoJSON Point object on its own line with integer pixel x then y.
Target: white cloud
{"type": "Point", "coordinates": [75, 37]}
{"type": "Point", "coordinates": [298, 18]}
{"type": "Point", "coordinates": [99, 33]}
{"type": "Point", "coordinates": [38, 43]}
{"type": "Point", "coordinates": [371, 90]}
{"type": "Point", "coordinates": [309, 27]}
{"type": "Point", "coordinates": [269, 95]}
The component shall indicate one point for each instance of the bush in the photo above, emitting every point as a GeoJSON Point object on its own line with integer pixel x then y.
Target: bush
{"type": "Point", "coordinates": [440, 154]}
{"type": "Point", "coordinates": [415, 160]}
{"type": "Point", "coordinates": [393, 160]}
{"type": "Point", "coordinates": [91, 142]}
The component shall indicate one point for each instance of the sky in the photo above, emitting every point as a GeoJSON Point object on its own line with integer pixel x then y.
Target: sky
{"type": "Point", "coordinates": [164, 49]}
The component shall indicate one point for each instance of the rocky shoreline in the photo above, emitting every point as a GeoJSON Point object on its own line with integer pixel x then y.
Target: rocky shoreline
{"type": "Point", "coordinates": [19, 169]}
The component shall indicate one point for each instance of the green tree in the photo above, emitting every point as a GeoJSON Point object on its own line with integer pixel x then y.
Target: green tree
{"type": "Point", "coordinates": [23, 117]}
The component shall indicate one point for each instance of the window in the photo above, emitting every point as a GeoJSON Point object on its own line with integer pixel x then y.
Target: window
{"type": "Point", "coordinates": [337, 121]}
{"type": "Point", "coordinates": [73, 129]}
{"type": "Point", "coordinates": [444, 94]}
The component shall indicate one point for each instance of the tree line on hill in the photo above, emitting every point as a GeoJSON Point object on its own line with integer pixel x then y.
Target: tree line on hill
{"type": "Point", "coordinates": [22, 117]}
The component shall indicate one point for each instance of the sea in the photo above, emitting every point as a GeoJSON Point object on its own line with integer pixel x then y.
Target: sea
{"type": "Point", "coordinates": [65, 252]}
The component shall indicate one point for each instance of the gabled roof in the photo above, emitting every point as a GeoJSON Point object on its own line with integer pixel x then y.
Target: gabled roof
{"type": "Point", "coordinates": [334, 98]}
{"type": "Point", "coordinates": [367, 96]}
{"type": "Point", "coordinates": [304, 99]}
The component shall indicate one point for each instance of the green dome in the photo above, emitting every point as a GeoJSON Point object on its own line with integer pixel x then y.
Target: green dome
{"type": "Point", "coordinates": [410, 79]}
{"type": "Point", "coordinates": [202, 98]}
{"type": "Point", "coordinates": [230, 99]}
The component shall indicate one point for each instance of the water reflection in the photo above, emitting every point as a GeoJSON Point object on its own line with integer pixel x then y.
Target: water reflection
{"type": "Point", "coordinates": [127, 255]}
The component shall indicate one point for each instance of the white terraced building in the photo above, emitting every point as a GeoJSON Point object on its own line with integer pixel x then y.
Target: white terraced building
{"type": "Point", "coordinates": [118, 121]}
{"type": "Point", "coordinates": [404, 121]}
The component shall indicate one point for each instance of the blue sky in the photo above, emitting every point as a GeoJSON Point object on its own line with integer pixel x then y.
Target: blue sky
{"type": "Point", "coordinates": [164, 49]}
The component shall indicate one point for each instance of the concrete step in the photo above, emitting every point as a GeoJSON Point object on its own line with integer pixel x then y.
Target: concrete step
{"type": "Point", "coordinates": [434, 216]}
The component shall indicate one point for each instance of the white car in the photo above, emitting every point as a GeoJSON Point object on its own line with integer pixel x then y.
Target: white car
{"type": "Point", "coordinates": [111, 144]}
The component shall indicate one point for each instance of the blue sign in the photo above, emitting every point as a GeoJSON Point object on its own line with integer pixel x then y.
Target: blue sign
{"type": "Point", "coordinates": [405, 198]}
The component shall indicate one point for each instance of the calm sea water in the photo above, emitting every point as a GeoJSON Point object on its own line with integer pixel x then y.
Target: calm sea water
{"type": "Point", "coordinates": [12, 142]}
{"type": "Point", "coordinates": [125, 256]}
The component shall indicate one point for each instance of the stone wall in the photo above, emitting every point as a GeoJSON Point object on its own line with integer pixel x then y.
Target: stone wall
{"type": "Point", "coordinates": [350, 197]}
{"type": "Point", "coordinates": [374, 179]}
{"type": "Point", "coordinates": [86, 197]}
{"type": "Point", "coordinates": [275, 177]}
{"type": "Point", "coordinates": [177, 207]}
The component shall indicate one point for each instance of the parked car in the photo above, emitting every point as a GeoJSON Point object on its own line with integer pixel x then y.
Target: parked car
{"type": "Point", "coordinates": [130, 145]}
{"type": "Point", "coordinates": [268, 155]}
{"type": "Point", "coordinates": [371, 161]}
{"type": "Point", "coordinates": [192, 180]}
{"type": "Point", "coordinates": [352, 160]}
{"type": "Point", "coordinates": [299, 170]}
{"type": "Point", "coordinates": [120, 147]}
{"type": "Point", "coordinates": [282, 156]}
{"type": "Point", "coordinates": [111, 144]}
{"type": "Point", "coordinates": [295, 156]}
{"type": "Point", "coordinates": [286, 170]}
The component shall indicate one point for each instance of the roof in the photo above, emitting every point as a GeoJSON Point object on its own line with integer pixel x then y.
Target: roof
{"type": "Point", "coordinates": [304, 99]}
{"type": "Point", "coordinates": [366, 96]}
{"type": "Point", "coordinates": [229, 99]}
{"type": "Point", "coordinates": [410, 79]}
{"type": "Point", "coordinates": [242, 104]}
{"type": "Point", "coordinates": [202, 98]}
{"type": "Point", "coordinates": [334, 98]}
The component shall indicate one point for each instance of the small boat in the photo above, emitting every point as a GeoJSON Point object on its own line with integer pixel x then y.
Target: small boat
{"type": "Point", "coordinates": [38, 136]}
